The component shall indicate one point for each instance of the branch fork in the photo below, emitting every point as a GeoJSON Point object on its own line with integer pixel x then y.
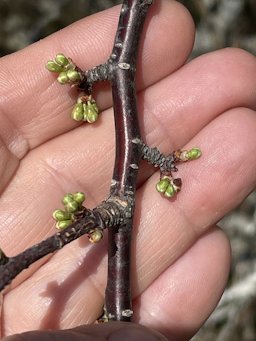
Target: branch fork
{"type": "Point", "coordinates": [116, 212]}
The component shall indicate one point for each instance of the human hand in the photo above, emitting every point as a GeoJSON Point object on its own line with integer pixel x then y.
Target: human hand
{"type": "Point", "coordinates": [180, 257]}
{"type": "Point", "coordinates": [112, 331]}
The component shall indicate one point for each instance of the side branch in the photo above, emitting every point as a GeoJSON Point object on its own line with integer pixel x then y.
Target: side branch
{"type": "Point", "coordinates": [101, 72]}
{"type": "Point", "coordinates": [166, 164]}
{"type": "Point", "coordinates": [107, 214]}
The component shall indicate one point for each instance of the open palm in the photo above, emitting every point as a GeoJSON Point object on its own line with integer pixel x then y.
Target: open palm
{"type": "Point", "coordinates": [180, 258]}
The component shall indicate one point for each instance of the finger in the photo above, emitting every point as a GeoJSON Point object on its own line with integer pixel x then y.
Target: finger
{"type": "Point", "coordinates": [44, 106]}
{"type": "Point", "coordinates": [212, 186]}
{"type": "Point", "coordinates": [163, 230]}
{"type": "Point", "coordinates": [63, 163]}
{"type": "Point", "coordinates": [112, 331]}
{"type": "Point", "coordinates": [179, 301]}
{"type": "Point", "coordinates": [175, 109]}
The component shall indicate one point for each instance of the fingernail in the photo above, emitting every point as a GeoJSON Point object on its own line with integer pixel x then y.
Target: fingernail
{"type": "Point", "coordinates": [135, 334]}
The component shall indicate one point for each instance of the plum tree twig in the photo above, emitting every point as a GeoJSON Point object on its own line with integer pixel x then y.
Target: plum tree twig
{"type": "Point", "coordinates": [116, 212]}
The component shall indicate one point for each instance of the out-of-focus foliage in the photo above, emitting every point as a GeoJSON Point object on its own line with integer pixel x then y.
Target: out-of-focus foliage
{"type": "Point", "coordinates": [25, 21]}
{"type": "Point", "coordinates": [222, 23]}
{"type": "Point", "coordinates": [219, 22]}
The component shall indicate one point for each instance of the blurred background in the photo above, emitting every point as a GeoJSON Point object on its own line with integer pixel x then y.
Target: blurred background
{"type": "Point", "coordinates": [219, 23]}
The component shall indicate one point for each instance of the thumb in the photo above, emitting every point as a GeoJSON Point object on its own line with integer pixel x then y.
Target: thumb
{"type": "Point", "coordinates": [111, 331]}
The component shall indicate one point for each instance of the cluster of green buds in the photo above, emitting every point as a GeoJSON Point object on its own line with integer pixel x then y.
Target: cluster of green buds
{"type": "Point", "coordinates": [68, 72]}
{"type": "Point", "coordinates": [168, 186]}
{"type": "Point", "coordinates": [72, 204]}
{"type": "Point", "coordinates": [188, 155]}
{"type": "Point", "coordinates": [85, 110]}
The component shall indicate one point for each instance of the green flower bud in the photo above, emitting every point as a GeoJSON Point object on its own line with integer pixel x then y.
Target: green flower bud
{"type": "Point", "coordinates": [71, 206]}
{"type": "Point", "coordinates": [79, 197]}
{"type": "Point", "coordinates": [85, 107]}
{"type": "Point", "coordinates": [60, 215]}
{"type": "Point", "coordinates": [92, 114]}
{"type": "Point", "coordinates": [60, 225]}
{"type": "Point", "coordinates": [67, 198]}
{"type": "Point", "coordinates": [63, 78]}
{"type": "Point", "coordinates": [73, 75]}
{"type": "Point", "coordinates": [95, 108]}
{"type": "Point", "coordinates": [162, 185]}
{"type": "Point", "coordinates": [53, 67]}
{"type": "Point", "coordinates": [77, 113]}
{"type": "Point", "coordinates": [170, 191]}
{"type": "Point", "coordinates": [61, 60]}
{"type": "Point", "coordinates": [96, 236]}
{"type": "Point", "coordinates": [194, 154]}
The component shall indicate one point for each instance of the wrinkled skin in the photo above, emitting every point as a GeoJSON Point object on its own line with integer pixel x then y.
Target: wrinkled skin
{"type": "Point", "coordinates": [180, 258]}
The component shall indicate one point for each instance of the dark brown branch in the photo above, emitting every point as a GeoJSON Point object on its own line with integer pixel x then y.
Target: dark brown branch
{"type": "Point", "coordinates": [166, 164]}
{"type": "Point", "coordinates": [107, 214]}
{"type": "Point", "coordinates": [128, 153]}
{"type": "Point", "coordinates": [100, 72]}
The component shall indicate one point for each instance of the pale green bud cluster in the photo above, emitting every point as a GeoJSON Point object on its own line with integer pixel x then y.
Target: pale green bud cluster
{"type": "Point", "coordinates": [167, 187]}
{"type": "Point", "coordinates": [85, 110]}
{"type": "Point", "coordinates": [72, 204]}
{"type": "Point", "coordinates": [66, 68]}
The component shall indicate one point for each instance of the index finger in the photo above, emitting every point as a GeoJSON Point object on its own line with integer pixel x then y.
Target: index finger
{"type": "Point", "coordinates": [35, 108]}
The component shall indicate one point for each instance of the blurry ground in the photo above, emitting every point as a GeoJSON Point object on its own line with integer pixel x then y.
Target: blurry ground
{"type": "Point", "coordinates": [219, 23]}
